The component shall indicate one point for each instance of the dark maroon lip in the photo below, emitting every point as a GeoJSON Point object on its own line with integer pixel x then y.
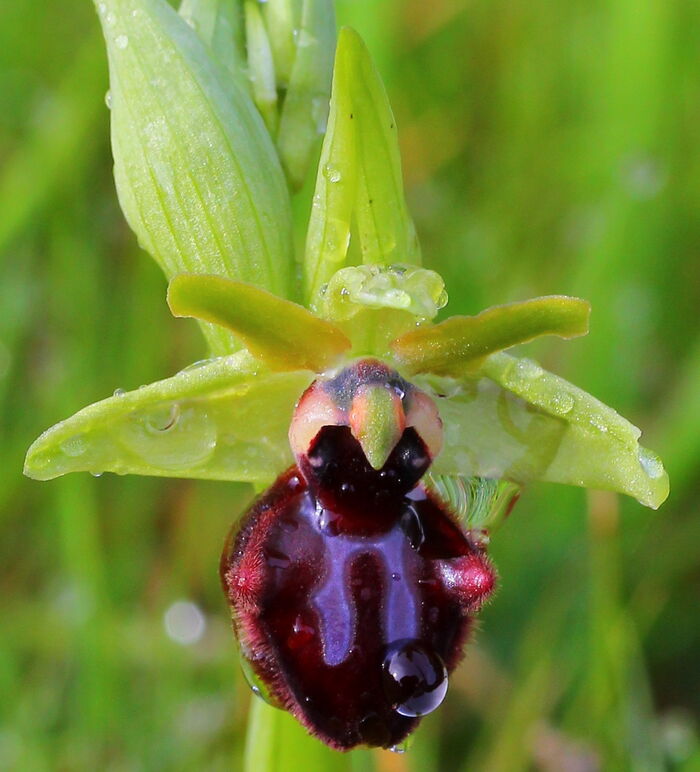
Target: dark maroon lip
{"type": "Point", "coordinates": [353, 629]}
{"type": "Point", "coordinates": [353, 589]}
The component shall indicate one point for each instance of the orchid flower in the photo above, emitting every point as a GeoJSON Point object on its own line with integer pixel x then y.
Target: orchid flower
{"type": "Point", "coordinates": [208, 140]}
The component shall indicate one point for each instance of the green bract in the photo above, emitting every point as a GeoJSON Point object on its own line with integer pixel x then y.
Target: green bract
{"type": "Point", "coordinates": [201, 183]}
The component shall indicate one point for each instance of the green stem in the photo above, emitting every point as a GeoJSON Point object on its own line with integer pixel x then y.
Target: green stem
{"type": "Point", "coordinates": [276, 742]}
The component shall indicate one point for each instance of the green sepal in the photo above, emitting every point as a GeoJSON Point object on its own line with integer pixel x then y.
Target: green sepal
{"type": "Point", "coordinates": [464, 341]}
{"type": "Point", "coordinates": [516, 421]}
{"type": "Point", "coordinates": [359, 177]}
{"type": "Point", "coordinates": [282, 18]}
{"type": "Point", "coordinates": [221, 419]}
{"type": "Point", "coordinates": [219, 24]}
{"type": "Point", "coordinates": [305, 107]}
{"type": "Point", "coordinates": [261, 67]}
{"type": "Point", "coordinates": [284, 335]}
{"type": "Point", "coordinates": [197, 174]}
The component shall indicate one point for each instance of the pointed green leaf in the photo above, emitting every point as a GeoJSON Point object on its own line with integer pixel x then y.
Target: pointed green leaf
{"type": "Point", "coordinates": [359, 176]}
{"type": "Point", "coordinates": [305, 108]}
{"type": "Point", "coordinates": [222, 419]}
{"type": "Point", "coordinates": [261, 68]}
{"type": "Point", "coordinates": [463, 341]}
{"type": "Point", "coordinates": [283, 334]}
{"type": "Point", "coordinates": [521, 423]}
{"type": "Point", "coordinates": [197, 175]}
{"type": "Point", "coordinates": [219, 24]}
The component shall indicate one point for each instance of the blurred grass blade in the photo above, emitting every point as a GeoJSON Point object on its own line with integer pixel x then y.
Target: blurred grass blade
{"type": "Point", "coordinates": [519, 422]}
{"type": "Point", "coordinates": [222, 419]}
{"type": "Point", "coordinates": [463, 341]}
{"type": "Point", "coordinates": [219, 24]}
{"type": "Point", "coordinates": [283, 334]}
{"type": "Point", "coordinates": [197, 175]}
{"type": "Point", "coordinates": [261, 68]}
{"type": "Point", "coordinates": [359, 175]}
{"type": "Point", "coordinates": [305, 108]}
{"type": "Point", "coordinates": [282, 19]}
{"type": "Point", "coordinates": [59, 146]}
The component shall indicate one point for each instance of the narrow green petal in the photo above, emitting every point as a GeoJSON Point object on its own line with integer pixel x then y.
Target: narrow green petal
{"type": "Point", "coordinates": [518, 422]}
{"type": "Point", "coordinates": [305, 107]}
{"type": "Point", "coordinates": [463, 341]}
{"type": "Point", "coordinates": [197, 175]}
{"type": "Point", "coordinates": [219, 24]}
{"type": "Point", "coordinates": [282, 18]}
{"type": "Point", "coordinates": [223, 419]}
{"type": "Point", "coordinates": [385, 228]}
{"type": "Point", "coordinates": [283, 334]}
{"type": "Point", "coordinates": [359, 177]}
{"type": "Point", "coordinates": [261, 68]}
{"type": "Point", "coordinates": [328, 235]}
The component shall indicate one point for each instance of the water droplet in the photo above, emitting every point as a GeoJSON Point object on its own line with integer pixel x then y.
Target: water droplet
{"type": "Point", "coordinates": [97, 474]}
{"type": "Point", "coordinates": [302, 633]}
{"type": "Point", "coordinates": [108, 99]}
{"type": "Point", "coordinates": [164, 419]}
{"type": "Point", "coordinates": [74, 446]}
{"type": "Point", "coordinates": [396, 577]}
{"type": "Point", "coordinates": [110, 19]}
{"type": "Point", "coordinates": [442, 299]}
{"type": "Point", "coordinates": [414, 678]}
{"type": "Point", "coordinates": [121, 41]}
{"type": "Point", "coordinates": [101, 9]}
{"type": "Point", "coordinates": [651, 464]}
{"type": "Point", "coordinates": [196, 365]}
{"type": "Point", "coordinates": [527, 369]}
{"type": "Point", "coordinates": [403, 746]}
{"type": "Point", "coordinates": [413, 528]}
{"type": "Point", "coordinates": [170, 436]}
{"type": "Point", "coordinates": [119, 393]}
{"type": "Point", "coordinates": [561, 403]}
{"type": "Point", "coordinates": [256, 685]}
{"type": "Point", "coordinates": [331, 173]}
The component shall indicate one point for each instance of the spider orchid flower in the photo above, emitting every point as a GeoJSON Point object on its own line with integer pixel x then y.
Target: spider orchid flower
{"type": "Point", "coordinates": [389, 443]}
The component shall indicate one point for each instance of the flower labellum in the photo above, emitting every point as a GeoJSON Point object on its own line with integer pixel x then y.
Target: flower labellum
{"type": "Point", "coordinates": [352, 588]}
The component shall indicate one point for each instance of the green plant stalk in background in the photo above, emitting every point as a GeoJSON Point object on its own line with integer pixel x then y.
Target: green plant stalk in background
{"type": "Point", "coordinates": [205, 159]}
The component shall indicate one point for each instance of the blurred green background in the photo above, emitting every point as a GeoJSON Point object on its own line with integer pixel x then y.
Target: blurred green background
{"type": "Point", "coordinates": [549, 147]}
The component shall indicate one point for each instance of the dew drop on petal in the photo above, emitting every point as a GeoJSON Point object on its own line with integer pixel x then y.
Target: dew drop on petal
{"type": "Point", "coordinates": [121, 41]}
{"type": "Point", "coordinates": [651, 464]}
{"type": "Point", "coordinates": [74, 446]}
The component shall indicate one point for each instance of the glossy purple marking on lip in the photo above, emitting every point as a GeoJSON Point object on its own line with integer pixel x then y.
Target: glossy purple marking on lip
{"type": "Point", "coordinates": [333, 601]}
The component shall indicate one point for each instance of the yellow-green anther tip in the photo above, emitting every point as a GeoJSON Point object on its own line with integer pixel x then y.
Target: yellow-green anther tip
{"type": "Point", "coordinates": [377, 422]}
